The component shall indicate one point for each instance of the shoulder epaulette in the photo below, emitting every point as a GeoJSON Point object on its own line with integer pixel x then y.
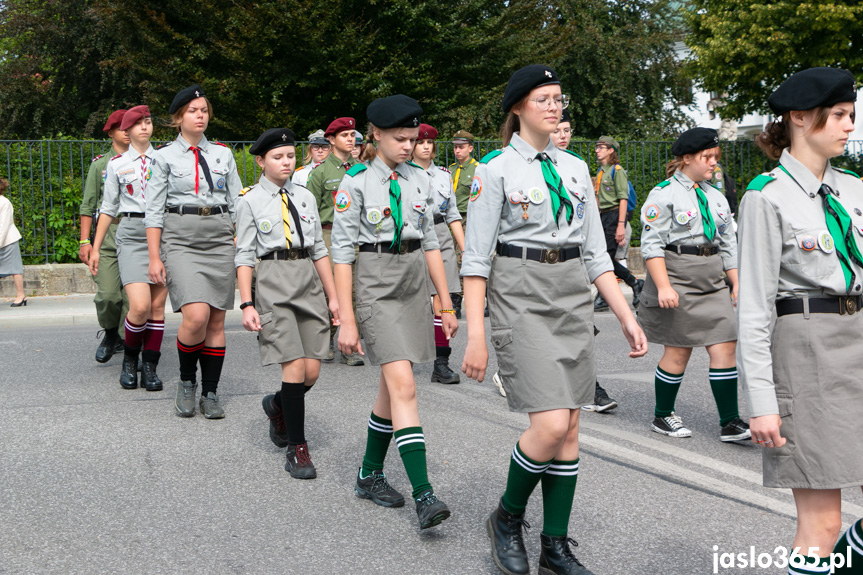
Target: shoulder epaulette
{"type": "Point", "coordinates": [849, 172]}
{"type": "Point", "coordinates": [571, 153]}
{"type": "Point", "coordinates": [472, 161]}
{"type": "Point", "coordinates": [663, 184]}
{"type": "Point", "coordinates": [244, 190]}
{"type": "Point", "coordinates": [759, 182]}
{"type": "Point", "coordinates": [298, 169]}
{"type": "Point", "coordinates": [221, 144]}
{"type": "Point", "coordinates": [97, 157]}
{"type": "Point", "coordinates": [160, 146]}
{"type": "Point", "coordinates": [444, 169]}
{"type": "Point", "coordinates": [490, 156]}
{"type": "Point", "coordinates": [357, 169]}
{"type": "Point", "coordinates": [117, 156]}
{"type": "Point", "coordinates": [412, 164]}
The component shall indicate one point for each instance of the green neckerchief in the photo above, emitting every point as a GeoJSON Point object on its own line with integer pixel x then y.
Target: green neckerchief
{"type": "Point", "coordinates": [706, 216]}
{"type": "Point", "coordinates": [839, 226]}
{"type": "Point", "coordinates": [558, 191]}
{"type": "Point", "coordinates": [396, 209]}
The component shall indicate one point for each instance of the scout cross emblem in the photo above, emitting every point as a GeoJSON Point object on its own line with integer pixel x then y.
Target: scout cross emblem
{"type": "Point", "coordinates": [547, 73]}
{"type": "Point", "coordinates": [284, 137]}
{"type": "Point", "coordinates": [197, 94]}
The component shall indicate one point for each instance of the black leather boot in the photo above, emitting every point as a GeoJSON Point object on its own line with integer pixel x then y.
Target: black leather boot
{"type": "Point", "coordinates": [441, 372]}
{"type": "Point", "coordinates": [556, 558]}
{"type": "Point", "coordinates": [129, 374]}
{"type": "Point", "coordinates": [109, 345]}
{"type": "Point", "coordinates": [149, 380]}
{"type": "Point", "coordinates": [456, 304]}
{"type": "Point", "coordinates": [507, 544]}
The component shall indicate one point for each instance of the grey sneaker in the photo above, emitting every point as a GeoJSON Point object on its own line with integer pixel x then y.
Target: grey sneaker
{"type": "Point", "coordinates": [352, 360]}
{"type": "Point", "coordinates": [496, 379]}
{"type": "Point", "coordinates": [185, 404]}
{"type": "Point", "coordinates": [378, 489]}
{"type": "Point", "coordinates": [210, 407]}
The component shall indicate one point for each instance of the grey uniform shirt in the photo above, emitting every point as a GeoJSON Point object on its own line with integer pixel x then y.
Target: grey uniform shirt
{"type": "Point", "coordinates": [173, 181]}
{"type": "Point", "coordinates": [442, 194]}
{"type": "Point", "coordinates": [362, 200]}
{"type": "Point", "coordinates": [127, 179]}
{"type": "Point", "coordinates": [670, 215]}
{"type": "Point", "coordinates": [261, 227]}
{"type": "Point", "coordinates": [787, 252]}
{"type": "Point", "coordinates": [513, 180]}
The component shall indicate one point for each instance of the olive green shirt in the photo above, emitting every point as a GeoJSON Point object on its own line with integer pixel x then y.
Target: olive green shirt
{"type": "Point", "coordinates": [94, 185]}
{"type": "Point", "coordinates": [609, 191]}
{"type": "Point", "coordinates": [324, 183]}
{"type": "Point", "coordinates": [462, 177]}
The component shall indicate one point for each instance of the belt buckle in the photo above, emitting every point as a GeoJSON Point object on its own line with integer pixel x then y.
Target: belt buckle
{"type": "Point", "coordinates": [403, 249]}
{"type": "Point", "coordinates": [704, 250]}
{"type": "Point", "coordinates": [293, 254]}
{"type": "Point", "coordinates": [847, 305]}
{"type": "Point", "coordinates": [204, 211]}
{"type": "Point", "coordinates": [552, 256]}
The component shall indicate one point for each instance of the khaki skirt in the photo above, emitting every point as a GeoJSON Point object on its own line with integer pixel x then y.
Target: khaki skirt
{"type": "Point", "coordinates": [447, 252]}
{"type": "Point", "coordinates": [198, 253]}
{"type": "Point", "coordinates": [132, 255]}
{"type": "Point", "coordinates": [704, 315]}
{"type": "Point", "coordinates": [820, 395]}
{"type": "Point", "coordinates": [10, 260]}
{"type": "Point", "coordinates": [394, 310]}
{"type": "Point", "coordinates": [542, 331]}
{"type": "Point", "coordinates": [295, 320]}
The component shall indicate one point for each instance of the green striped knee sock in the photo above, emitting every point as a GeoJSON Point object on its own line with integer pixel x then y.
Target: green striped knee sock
{"type": "Point", "coordinates": [558, 490]}
{"type": "Point", "coordinates": [412, 447]}
{"type": "Point", "coordinates": [524, 474]}
{"type": "Point", "coordinates": [809, 566]}
{"type": "Point", "coordinates": [378, 441]}
{"type": "Point", "coordinates": [666, 385]}
{"type": "Point", "coordinates": [723, 383]}
{"type": "Point", "coordinates": [850, 546]}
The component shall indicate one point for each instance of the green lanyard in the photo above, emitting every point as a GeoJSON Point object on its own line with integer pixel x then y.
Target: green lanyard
{"type": "Point", "coordinates": [558, 191]}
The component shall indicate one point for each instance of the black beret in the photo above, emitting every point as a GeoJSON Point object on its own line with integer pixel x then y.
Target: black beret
{"type": "Point", "coordinates": [694, 140]}
{"type": "Point", "coordinates": [523, 81]}
{"type": "Point", "coordinates": [272, 138]}
{"type": "Point", "coordinates": [185, 96]}
{"type": "Point", "coordinates": [397, 111]}
{"type": "Point", "coordinates": [813, 88]}
{"type": "Point", "coordinates": [564, 117]}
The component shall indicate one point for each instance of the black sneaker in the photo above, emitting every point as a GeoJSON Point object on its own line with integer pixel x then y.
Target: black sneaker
{"type": "Point", "coordinates": [278, 432]}
{"type": "Point", "coordinates": [378, 489]}
{"type": "Point", "coordinates": [671, 426]}
{"type": "Point", "coordinates": [736, 430]}
{"type": "Point", "coordinates": [431, 511]}
{"type": "Point", "coordinates": [599, 304]}
{"type": "Point", "coordinates": [601, 401]}
{"type": "Point", "coordinates": [298, 462]}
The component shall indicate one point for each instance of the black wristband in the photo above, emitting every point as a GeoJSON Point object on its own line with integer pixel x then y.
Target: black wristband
{"type": "Point", "coordinates": [246, 304]}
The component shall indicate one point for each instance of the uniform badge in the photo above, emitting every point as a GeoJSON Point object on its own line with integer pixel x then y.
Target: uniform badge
{"type": "Point", "coordinates": [515, 198]}
{"type": "Point", "coordinates": [419, 206]}
{"type": "Point", "coordinates": [536, 196]}
{"type": "Point", "coordinates": [808, 243]}
{"type": "Point", "coordinates": [647, 228]}
{"type": "Point", "coordinates": [420, 221]}
{"type": "Point", "coordinates": [682, 218]}
{"type": "Point", "coordinates": [342, 201]}
{"type": "Point", "coordinates": [443, 205]}
{"type": "Point", "coordinates": [374, 216]}
{"type": "Point", "coordinates": [579, 211]}
{"type": "Point", "coordinates": [130, 189]}
{"type": "Point", "coordinates": [475, 188]}
{"type": "Point", "coordinates": [825, 242]}
{"type": "Point", "coordinates": [721, 229]}
{"type": "Point", "coordinates": [220, 183]}
{"type": "Point", "coordinates": [307, 218]}
{"type": "Point", "coordinates": [265, 226]}
{"type": "Point", "coordinates": [651, 212]}
{"type": "Point", "coordinates": [859, 229]}
{"type": "Point", "coordinates": [387, 212]}
{"type": "Point", "coordinates": [104, 174]}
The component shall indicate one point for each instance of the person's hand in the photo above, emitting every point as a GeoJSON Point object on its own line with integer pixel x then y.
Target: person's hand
{"type": "Point", "coordinates": [156, 272]}
{"type": "Point", "coordinates": [349, 339]}
{"type": "Point", "coordinates": [84, 253]}
{"type": "Point", "coordinates": [635, 336]}
{"type": "Point", "coordinates": [668, 298]}
{"type": "Point", "coordinates": [765, 431]}
{"type": "Point", "coordinates": [734, 287]}
{"type": "Point", "coordinates": [449, 324]}
{"type": "Point", "coordinates": [475, 360]}
{"type": "Point", "coordinates": [333, 306]}
{"type": "Point", "coordinates": [94, 262]}
{"type": "Point", "coordinates": [251, 319]}
{"type": "Point", "coordinates": [620, 234]}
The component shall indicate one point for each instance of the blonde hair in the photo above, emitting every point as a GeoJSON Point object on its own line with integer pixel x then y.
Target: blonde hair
{"type": "Point", "coordinates": [177, 117]}
{"type": "Point", "coordinates": [369, 152]}
{"type": "Point", "coordinates": [679, 161]}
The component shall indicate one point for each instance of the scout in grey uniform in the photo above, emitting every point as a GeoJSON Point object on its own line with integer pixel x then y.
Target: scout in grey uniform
{"type": "Point", "coordinates": [801, 267]}
{"type": "Point", "coordinates": [278, 223]}
{"type": "Point", "coordinates": [385, 207]}
{"type": "Point", "coordinates": [533, 206]}
{"type": "Point", "coordinates": [319, 149]}
{"type": "Point", "coordinates": [447, 225]}
{"type": "Point", "coordinates": [126, 188]}
{"type": "Point", "coordinates": [687, 241]}
{"type": "Point", "coordinates": [190, 233]}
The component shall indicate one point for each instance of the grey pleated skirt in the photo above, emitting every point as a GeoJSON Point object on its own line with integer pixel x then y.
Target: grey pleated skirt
{"type": "Point", "coordinates": [542, 331]}
{"type": "Point", "coordinates": [394, 308]}
{"type": "Point", "coordinates": [132, 255]}
{"type": "Point", "coordinates": [447, 252]}
{"type": "Point", "coordinates": [820, 394]}
{"type": "Point", "coordinates": [704, 315]}
{"type": "Point", "coordinates": [295, 320]}
{"type": "Point", "coordinates": [10, 260]}
{"type": "Point", "coordinates": [198, 253]}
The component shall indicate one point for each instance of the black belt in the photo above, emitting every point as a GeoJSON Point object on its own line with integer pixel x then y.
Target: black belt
{"type": "Point", "coordinates": [291, 254]}
{"type": "Point", "coordinates": [196, 210]}
{"type": "Point", "coordinates": [132, 214]}
{"type": "Point", "coordinates": [606, 210]}
{"type": "Point", "coordinates": [693, 250]}
{"type": "Point", "coordinates": [842, 305]}
{"type": "Point", "coordinates": [539, 255]}
{"type": "Point", "coordinates": [407, 247]}
{"type": "Point", "coordinates": [439, 220]}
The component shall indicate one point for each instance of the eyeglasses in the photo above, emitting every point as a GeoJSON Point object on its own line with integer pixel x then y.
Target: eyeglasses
{"type": "Point", "coordinates": [601, 147]}
{"type": "Point", "coordinates": [544, 102]}
{"type": "Point", "coordinates": [320, 146]}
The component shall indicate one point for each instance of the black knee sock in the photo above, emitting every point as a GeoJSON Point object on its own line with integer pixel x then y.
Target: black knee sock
{"type": "Point", "coordinates": [294, 410]}
{"type": "Point", "coordinates": [211, 359]}
{"type": "Point", "coordinates": [188, 359]}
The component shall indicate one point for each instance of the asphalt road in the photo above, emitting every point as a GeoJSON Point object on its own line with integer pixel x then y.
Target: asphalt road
{"type": "Point", "coordinates": [96, 479]}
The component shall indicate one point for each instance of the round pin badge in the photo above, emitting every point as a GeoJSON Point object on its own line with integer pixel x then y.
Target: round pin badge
{"type": "Point", "coordinates": [220, 183]}
{"type": "Point", "coordinates": [515, 198]}
{"type": "Point", "coordinates": [536, 196]}
{"type": "Point", "coordinates": [651, 212]}
{"type": "Point", "coordinates": [374, 216]}
{"type": "Point", "coordinates": [808, 243]}
{"type": "Point", "coordinates": [647, 228]}
{"type": "Point", "coordinates": [579, 211]}
{"type": "Point", "coordinates": [475, 188]}
{"type": "Point", "coordinates": [387, 212]}
{"type": "Point", "coordinates": [265, 226]}
{"type": "Point", "coordinates": [342, 201]}
{"type": "Point", "coordinates": [682, 218]}
{"type": "Point", "coordinates": [825, 242]}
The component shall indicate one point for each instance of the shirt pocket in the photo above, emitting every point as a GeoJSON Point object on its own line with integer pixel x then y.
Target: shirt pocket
{"type": "Point", "coordinates": [183, 179]}
{"type": "Point", "coordinates": [415, 213]}
{"type": "Point", "coordinates": [812, 254]}
{"type": "Point", "coordinates": [512, 213]}
{"type": "Point", "coordinates": [220, 177]}
{"type": "Point", "coordinates": [307, 224]}
{"type": "Point", "coordinates": [378, 219]}
{"type": "Point", "coordinates": [443, 198]}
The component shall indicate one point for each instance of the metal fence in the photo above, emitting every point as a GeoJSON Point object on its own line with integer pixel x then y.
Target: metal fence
{"type": "Point", "coordinates": [47, 179]}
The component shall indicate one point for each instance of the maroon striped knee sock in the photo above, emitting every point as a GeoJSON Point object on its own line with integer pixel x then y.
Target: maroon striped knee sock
{"type": "Point", "coordinates": [134, 334]}
{"type": "Point", "coordinates": [153, 335]}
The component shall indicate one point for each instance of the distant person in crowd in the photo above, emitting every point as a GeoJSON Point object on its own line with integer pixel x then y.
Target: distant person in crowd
{"type": "Point", "coordinates": [358, 145]}
{"type": "Point", "coordinates": [316, 152]}
{"type": "Point", "coordinates": [10, 251]}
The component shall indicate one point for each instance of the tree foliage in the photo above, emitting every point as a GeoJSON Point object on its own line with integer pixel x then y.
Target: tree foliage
{"type": "Point", "coordinates": [302, 63]}
{"type": "Point", "coordinates": [744, 50]}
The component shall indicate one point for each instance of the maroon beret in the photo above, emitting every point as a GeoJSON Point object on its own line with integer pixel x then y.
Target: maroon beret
{"type": "Point", "coordinates": [427, 133]}
{"type": "Point", "coordinates": [340, 125]}
{"type": "Point", "coordinates": [114, 120]}
{"type": "Point", "coordinates": [133, 116]}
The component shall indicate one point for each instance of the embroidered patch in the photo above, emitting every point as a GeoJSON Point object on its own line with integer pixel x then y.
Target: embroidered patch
{"type": "Point", "coordinates": [265, 226]}
{"type": "Point", "coordinates": [220, 183]}
{"type": "Point", "coordinates": [808, 243]}
{"type": "Point", "coordinates": [651, 212]}
{"type": "Point", "coordinates": [579, 211]}
{"type": "Point", "coordinates": [721, 229]}
{"type": "Point", "coordinates": [475, 188]}
{"type": "Point", "coordinates": [825, 242]}
{"type": "Point", "coordinates": [443, 205]}
{"type": "Point", "coordinates": [342, 201]}
{"type": "Point", "coordinates": [104, 174]}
